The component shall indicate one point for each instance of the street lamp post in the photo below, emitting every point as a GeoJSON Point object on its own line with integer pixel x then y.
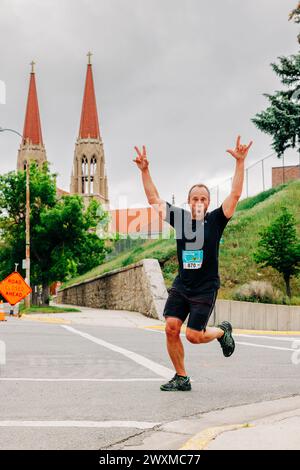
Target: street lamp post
{"type": "Point", "coordinates": [27, 221]}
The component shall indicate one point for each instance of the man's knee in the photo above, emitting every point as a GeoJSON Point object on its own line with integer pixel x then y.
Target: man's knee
{"type": "Point", "coordinates": [194, 336]}
{"type": "Point", "coordinates": [173, 326]}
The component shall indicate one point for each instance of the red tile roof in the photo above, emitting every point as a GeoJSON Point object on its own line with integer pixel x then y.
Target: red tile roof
{"type": "Point", "coordinates": [61, 192]}
{"type": "Point", "coordinates": [136, 220]}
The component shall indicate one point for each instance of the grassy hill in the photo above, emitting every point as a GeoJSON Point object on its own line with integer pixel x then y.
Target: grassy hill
{"type": "Point", "coordinates": [240, 241]}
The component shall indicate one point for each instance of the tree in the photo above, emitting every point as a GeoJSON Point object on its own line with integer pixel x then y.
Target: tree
{"type": "Point", "coordinates": [279, 247]}
{"type": "Point", "coordinates": [63, 241]}
{"type": "Point", "coordinates": [295, 15]}
{"type": "Point", "coordinates": [281, 119]}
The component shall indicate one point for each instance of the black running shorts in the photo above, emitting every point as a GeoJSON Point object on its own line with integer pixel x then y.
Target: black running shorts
{"type": "Point", "coordinates": [199, 307]}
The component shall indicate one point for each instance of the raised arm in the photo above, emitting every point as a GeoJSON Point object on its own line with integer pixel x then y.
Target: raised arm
{"type": "Point", "coordinates": [239, 153]}
{"type": "Point", "coordinates": [150, 190]}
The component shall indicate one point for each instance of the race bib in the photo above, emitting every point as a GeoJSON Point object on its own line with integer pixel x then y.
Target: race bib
{"type": "Point", "coordinates": [192, 259]}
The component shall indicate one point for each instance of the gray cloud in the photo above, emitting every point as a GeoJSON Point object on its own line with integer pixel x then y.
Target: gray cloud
{"type": "Point", "coordinates": [183, 77]}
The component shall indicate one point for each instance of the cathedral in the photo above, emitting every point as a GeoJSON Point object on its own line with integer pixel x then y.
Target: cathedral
{"type": "Point", "coordinates": [88, 177]}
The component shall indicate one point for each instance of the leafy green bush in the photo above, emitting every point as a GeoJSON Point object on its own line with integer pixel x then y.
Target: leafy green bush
{"type": "Point", "coordinates": [294, 300]}
{"type": "Point", "coordinates": [258, 291]}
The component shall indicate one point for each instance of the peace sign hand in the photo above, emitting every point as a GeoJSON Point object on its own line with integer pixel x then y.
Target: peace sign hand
{"type": "Point", "coordinates": [240, 151]}
{"type": "Point", "coordinates": [141, 159]}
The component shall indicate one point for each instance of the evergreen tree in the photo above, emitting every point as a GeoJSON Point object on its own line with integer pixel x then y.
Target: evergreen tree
{"type": "Point", "coordinates": [281, 119]}
{"type": "Point", "coordinates": [279, 247]}
{"type": "Point", "coordinates": [295, 15]}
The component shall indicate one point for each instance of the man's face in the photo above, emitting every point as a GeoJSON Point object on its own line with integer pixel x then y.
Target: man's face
{"type": "Point", "coordinates": [198, 202]}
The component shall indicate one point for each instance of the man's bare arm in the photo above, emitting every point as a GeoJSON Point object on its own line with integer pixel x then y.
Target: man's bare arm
{"type": "Point", "coordinates": [239, 153]}
{"type": "Point", "coordinates": [150, 189]}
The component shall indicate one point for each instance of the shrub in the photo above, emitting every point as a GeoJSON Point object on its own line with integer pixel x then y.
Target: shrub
{"type": "Point", "coordinates": [294, 300]}
{"type": "Point", "coordinates": [258, 291]}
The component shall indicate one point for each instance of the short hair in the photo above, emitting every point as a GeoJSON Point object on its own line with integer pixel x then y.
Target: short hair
{"type": "Point", "coordinates": [200, 185]}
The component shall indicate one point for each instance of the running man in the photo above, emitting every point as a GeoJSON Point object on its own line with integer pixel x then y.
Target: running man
{"type": "Point", "coordinates": [195, 288]}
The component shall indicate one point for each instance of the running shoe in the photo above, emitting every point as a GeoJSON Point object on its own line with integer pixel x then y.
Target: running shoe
{"type": "Point", "coordinates": [177, 383]}
{"type": "Point", "coordinates": [226, 341]}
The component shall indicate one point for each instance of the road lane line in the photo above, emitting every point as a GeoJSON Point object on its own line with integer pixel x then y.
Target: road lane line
{"type": "Point", "coordinates": [241, 342]}
{"type": "Point", "coordinates": [274, 338]}
{"type": "Point", "coordinates": [264, 346]}
{"type": "Point", "coordinates": [29, 379]}
{"type": "Point", "coordinates": [158, 369]}
{"type": "Point", "coordinates": [239, 331]}
{"type": "Point", "coordinates": [79, 424]}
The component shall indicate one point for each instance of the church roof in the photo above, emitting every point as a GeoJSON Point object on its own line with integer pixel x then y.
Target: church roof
{"type": "Point", "coordinates": [140, 220]}
{"type": "Point", "coordinates": [61, 192]}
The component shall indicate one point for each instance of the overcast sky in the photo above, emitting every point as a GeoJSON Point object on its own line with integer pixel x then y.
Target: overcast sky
{"type": "Point", "coordinates": [183, 77]}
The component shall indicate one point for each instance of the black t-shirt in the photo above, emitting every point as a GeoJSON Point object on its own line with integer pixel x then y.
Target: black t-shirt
{"type": "Point", "coordinates": [197, 248]}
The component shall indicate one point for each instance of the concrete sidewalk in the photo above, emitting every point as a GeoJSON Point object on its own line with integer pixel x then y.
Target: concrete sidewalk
{"type": "Point", "coordinates": [95, 316]}
{"type": "Point", "coordinates": [273, 425]}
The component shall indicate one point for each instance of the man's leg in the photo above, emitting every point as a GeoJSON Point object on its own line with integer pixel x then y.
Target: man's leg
{"type": "Point", "coordinates": [202, 336]}
{"type": "Point", "coordinates": [174, 344]}
{"type": "Point", "coordinates": [197, 330]}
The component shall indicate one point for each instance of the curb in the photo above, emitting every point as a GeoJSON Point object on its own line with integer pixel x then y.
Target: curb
{"type": "Point", "coordinates": [201, 440]}
{"type": "Point", "coordinates": [47, 320]}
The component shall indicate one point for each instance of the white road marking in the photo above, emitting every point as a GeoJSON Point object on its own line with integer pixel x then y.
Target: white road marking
{"type": "Point", "coordinates": [264, 346]}
{"type": "Point", "coordinates": [276, 338]}
{"type": "Point", "coordinates": [245, 343]}
{"type": "Point", "coordinates": [158, 369]}
{"type": "Point", "coordinates": [29, 379]}
{"type": "Point", "coordinates": [80, 424]}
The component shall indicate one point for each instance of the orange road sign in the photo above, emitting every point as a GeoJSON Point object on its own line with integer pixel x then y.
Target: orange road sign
{"type": "Point", "coordinates": [14, 288]}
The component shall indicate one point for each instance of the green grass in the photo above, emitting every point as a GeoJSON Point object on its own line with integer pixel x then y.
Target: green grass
{"type": "Point", "coordinates": [250, 202]}
{"type": "Point", "coordinates": [241, 236]}
{"type": "Point", "coordinates": [50, 309]}
{"type": "Point", "coordinates": [161, 249]}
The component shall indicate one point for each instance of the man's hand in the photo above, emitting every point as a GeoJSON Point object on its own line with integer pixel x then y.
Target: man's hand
{"type": "Point", "coordinates": [141, 159]}
{"type": "Point", "coordinates": [240, 151]}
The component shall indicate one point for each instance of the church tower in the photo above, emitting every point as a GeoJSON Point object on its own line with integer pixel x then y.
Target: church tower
{"type": "Point", "coordinates": [89, 177]}
{"type": "Point", "coordinates": [32, 147]}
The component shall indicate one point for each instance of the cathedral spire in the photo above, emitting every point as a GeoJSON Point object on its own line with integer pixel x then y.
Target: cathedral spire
{"type": "Point", "coordinates": [89, 124]}
{"type": "Point", "coordinates": [88, 176]}
{"type": "Point", "coordinates": [32, 126]}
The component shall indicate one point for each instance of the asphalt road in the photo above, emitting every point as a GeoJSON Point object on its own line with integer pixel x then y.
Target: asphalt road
{"type": "Point", "coordinates": [95, 386]}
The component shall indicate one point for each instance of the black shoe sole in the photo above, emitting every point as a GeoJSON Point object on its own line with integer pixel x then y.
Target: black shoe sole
{"type": "Point", "coordinates": [227, 325]}
{"type": "Point", "coordinates": [176, 389]}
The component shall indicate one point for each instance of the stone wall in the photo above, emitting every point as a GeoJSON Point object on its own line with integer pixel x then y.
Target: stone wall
{"type": "Point", "coordinates": [138, 287]}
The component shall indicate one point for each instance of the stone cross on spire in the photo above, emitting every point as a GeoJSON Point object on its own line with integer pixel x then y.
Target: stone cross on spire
{"type": "Point", "coordinates": [89, 54]}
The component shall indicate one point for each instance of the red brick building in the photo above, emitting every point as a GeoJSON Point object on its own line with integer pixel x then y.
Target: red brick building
{"type": "Point", "coordinates": [283, 174]}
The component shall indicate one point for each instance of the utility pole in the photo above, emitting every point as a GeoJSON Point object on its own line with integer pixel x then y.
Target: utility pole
{"type": "Point", "coordinates": [27, 220]}
{"type": "Point", "coordinates": [27, 299]}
